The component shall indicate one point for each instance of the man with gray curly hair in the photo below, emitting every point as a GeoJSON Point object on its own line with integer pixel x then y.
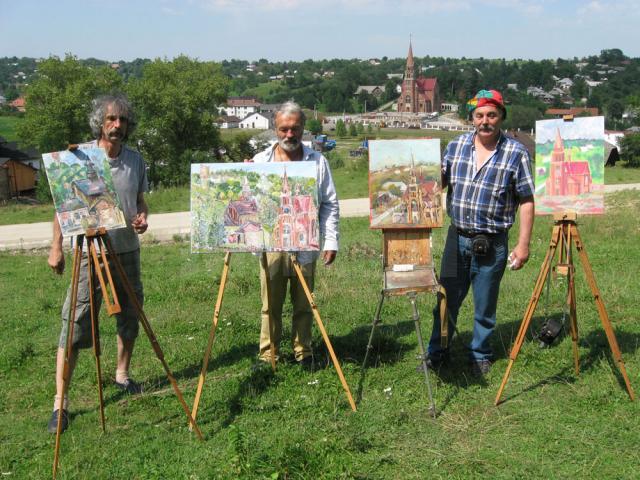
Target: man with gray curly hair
{"type": "Point", "coordinates": [112, 121]}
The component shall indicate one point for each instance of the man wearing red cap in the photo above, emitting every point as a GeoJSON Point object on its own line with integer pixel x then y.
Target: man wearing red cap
{"type": "Point", "coordinates": [489, 178]}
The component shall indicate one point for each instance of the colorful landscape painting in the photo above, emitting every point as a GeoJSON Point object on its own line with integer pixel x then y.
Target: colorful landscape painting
{"type": "Point", "coordinates": [405, 184]}
{"type": "Point", "coordinates": [254, 207]}
{"type": "Point", "coordinates": [570, 166]}
{"type": "Point", "coordinates": [82, 190]}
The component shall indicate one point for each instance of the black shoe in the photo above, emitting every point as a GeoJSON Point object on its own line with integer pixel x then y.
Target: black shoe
{"type": "Point", "coordinates": [434, 362]}
{"type": "Point", "coordinates": [52, 426]}
{"type": "Point", "coordinates": [129, 386]}
{"type": "Point", "coordinates": [480, 368]}
{"type": "Point", "coordinates": [307, 363]}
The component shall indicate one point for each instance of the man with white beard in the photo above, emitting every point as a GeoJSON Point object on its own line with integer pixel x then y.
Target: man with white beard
{"type": "Point", "coordinates": [289, 125]}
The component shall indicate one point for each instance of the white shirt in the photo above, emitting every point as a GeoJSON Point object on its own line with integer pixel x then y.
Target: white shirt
{"type": "Point", "coordinates": [328, 208]}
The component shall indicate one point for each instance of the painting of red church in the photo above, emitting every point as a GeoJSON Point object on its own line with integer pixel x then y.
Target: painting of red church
{"type": "Point", "coordinates": [254, 207]}
{"type": "Point", "coordinates": [570, 166]}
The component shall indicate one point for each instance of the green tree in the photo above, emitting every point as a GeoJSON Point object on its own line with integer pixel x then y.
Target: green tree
{"type": "Point", "coordinates": [341, 129]}
{"type": "Point", "coordinates": [59, 102]}
{"type": "Point", "coordinates": [630, 149]}
{"type": "Point", "coordinates": [177, 104]}
{"type": "Point", "coordinates": [353, 131]}
{"type": "Point", "coordinates": [58, 105]}
{"type": "Point", "coordinates": [314, 126]}
{"type": "Point", "coordinates": [359, 128]}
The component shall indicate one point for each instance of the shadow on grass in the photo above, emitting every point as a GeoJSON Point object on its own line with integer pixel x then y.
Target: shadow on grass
{"type": "Point", "coordinates": [595, 342]}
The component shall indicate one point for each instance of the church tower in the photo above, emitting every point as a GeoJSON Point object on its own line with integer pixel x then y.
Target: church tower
{"type": "Point", "coordinates": [408, 101]}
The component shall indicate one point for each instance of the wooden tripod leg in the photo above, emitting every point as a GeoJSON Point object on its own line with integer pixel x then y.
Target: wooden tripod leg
{"type": "Point", "coordinates": [212, 335]}
{"type": "Point", "coordinates": [267, 283]}
{"type": "Point", "coordinates": [109, 295]}
{"type": "Point", "coordinates": [573, 317]}
{"type": "Point", "coordinates": [604, 317]}
{"type": "Point", "coordinates": [152, 338]}
{"type": "Point", "coordinates": [531, 308]}
{"type": "Point", "coordinates": [95, 332]}
{"type": "Point", "coordinates": [68, 346]}
{"type": "Point", "coordinates": [316, 314]}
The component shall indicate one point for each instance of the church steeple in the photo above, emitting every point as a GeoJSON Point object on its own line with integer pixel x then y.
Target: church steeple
{"type": "Point", "coordinates": [409, 69]}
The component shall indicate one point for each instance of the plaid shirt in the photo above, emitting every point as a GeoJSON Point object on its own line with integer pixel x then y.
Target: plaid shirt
{"type": "Point", "coordinates": [486, 200]}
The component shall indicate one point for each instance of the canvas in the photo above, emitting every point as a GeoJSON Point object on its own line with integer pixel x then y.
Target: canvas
{"type": "Point", "coordinates": [254, 207]}
{"type": "Point", "coordinates": [83, 191]}
{"type": "Point", "coordinates": [405, 184]}
{"type": "Point", "coordinates": [570, 166]}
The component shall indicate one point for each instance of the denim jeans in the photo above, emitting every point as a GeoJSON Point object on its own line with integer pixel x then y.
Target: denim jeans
{"type": "Point", "coordinates": [483, 274]}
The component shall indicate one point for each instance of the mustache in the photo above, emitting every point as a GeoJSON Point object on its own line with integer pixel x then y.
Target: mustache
{"type": "Point", "coordinates": [486, 128]}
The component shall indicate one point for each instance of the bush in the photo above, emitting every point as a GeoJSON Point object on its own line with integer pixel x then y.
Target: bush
{"type": "Point", "coordinates": [335, 160]}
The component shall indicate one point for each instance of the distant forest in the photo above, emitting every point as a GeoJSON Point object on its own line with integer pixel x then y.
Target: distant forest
{"type": "Point", "coordinates": [330, 85]}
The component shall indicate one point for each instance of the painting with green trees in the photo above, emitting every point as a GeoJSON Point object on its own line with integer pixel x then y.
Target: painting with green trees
{"type": "Point", "coordinates": [570, 166]}
{"type": "Point", "coordinates": [405, 183]}
{"type": "Point", "coordinates": [254, 207]}
{"type": "Point", "coordinates": [82, 190]}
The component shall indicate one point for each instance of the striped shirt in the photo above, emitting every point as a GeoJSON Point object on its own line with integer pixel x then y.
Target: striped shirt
{"type": "Point", "coordinates": [486, 200]}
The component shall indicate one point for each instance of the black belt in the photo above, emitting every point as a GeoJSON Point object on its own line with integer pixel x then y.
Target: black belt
{"type": "Point", "coordinates": [469, 234]}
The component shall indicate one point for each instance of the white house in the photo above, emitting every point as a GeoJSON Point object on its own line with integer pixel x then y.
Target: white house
{"type": "Point", "coordinates": [240, 106]}
{"type": "Point", "coordinates": [259, 121]}
{"type": "Point", "coordinates": [228, 121]}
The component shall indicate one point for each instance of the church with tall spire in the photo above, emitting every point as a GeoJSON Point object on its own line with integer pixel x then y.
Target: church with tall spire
{"type": "Point", "coordinates": [419, 94]}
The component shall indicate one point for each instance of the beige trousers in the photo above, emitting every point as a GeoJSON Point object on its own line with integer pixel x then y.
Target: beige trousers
{"type": "Point", "coordinates": [281, 272]}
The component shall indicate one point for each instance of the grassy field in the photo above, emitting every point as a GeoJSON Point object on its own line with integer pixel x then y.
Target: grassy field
{"type": "Point", "coordinates": [298, 425]}
{"type": "Point", "coordinates": [8, 126]}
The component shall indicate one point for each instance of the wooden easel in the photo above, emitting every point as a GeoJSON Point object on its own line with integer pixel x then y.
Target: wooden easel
{"type": "Point", "coordinates": [408, 269]}
{"type": "Point", "coordinates": [99, 251]}
{"type": "Point", "coordinates": [216, 316]}
{"type": "Point", "coordinates": [563, 237]}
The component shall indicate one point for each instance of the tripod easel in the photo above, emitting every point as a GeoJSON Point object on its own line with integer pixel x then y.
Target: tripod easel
{"type": "Point", "coordinates": [563, 237]}
{"type": "Point", "coordinates": [216, 316]}
{"type": "Point", "coordinates": [100, 252]}
{"type": "Point", "coordinates": [408, 269]}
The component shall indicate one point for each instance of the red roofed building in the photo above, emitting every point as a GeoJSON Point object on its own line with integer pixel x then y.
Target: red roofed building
{"type": "Point", "coordinates": [19, 104]}
{"type": "Point", "coordinates": [419, 95]}
{"type": "Point", "coordinates": [567, 177]}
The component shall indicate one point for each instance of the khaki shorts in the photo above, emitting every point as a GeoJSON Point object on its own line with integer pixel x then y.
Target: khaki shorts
{"type": "Point", "coordinates": [126, 321]}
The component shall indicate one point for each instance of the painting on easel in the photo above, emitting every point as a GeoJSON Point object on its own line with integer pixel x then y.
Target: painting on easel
{"type": "Point", "coordinates": [83, 191]}
{"type": "Point", "coordinates": [570, 166]}
{"type": "Point", "coordinates": [405, 184]}
{"type": "Point", "coordinates": [254, 207]}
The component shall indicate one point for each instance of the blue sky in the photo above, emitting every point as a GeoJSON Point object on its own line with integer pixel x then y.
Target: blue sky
{"type": "Point", "coordinates": [318, 29]}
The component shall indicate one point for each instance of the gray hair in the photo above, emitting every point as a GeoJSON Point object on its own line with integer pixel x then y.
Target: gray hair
{"type": "Point", "coordinates": [291, 108]}
{"type": "Point", "coordinates": [121, 107]}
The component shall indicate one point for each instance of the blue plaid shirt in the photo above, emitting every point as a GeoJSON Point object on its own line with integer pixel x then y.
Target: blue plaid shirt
{"type": "Point", "coordinates": [486, 200]}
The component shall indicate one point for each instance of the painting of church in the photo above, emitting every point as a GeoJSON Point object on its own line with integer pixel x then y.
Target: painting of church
{"type": "Point", "coordinates": [570, 166]}
{"type": "Point", "coordinates": [567, 177]}
{"type": "Point", "coordinates": [297, 225]}
{"type": "Point", "coordinates": [405, 185]}
{"type": "Point", "coordinates": [254, 207]}
{"type": "Point", "coordinates": [82, 190]}
{"type": "Point", "coordinates": [419, 94]}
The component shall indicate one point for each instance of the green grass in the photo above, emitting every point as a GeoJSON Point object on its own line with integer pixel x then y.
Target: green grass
{"type": "Point", "coordinates": [298, 425]}
{"type": "Point", "coordinates": [621, 174]}
{"type": "Point", "coordinates": [8, 127]}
